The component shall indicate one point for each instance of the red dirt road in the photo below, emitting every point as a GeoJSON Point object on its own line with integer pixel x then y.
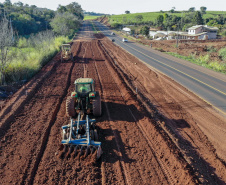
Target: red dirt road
{"type": "Point", "coordinates": [148, 137]}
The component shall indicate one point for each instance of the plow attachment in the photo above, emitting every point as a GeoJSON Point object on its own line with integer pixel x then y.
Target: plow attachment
{"type": "Point", "coordinates": [80, 138]}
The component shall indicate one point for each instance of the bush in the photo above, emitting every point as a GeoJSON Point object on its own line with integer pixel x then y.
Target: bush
{"type": "Point", "coordinates": [222, 53]}
{"type": "Point", "coordinates": [115, 25]}
{"type": "Point", "coordinates": [203, 60]}
{"type": "Point", "coordinates": [211, 49]}
{"type": "Point", "coordinates": [216, 66]}
{"type": "Point", "coordinates": [22, 42]}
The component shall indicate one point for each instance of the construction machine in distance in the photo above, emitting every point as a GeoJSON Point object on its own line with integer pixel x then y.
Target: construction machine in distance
{"type": "Point", "coordinates": [80, 135]}
{"type": "Point", "coordinates": [66, 53]}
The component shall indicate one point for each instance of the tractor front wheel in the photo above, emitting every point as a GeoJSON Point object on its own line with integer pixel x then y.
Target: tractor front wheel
{"type": "Point", "coordinates": [70, 107]}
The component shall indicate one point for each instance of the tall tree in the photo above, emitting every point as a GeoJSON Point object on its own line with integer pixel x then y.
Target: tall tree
{"type": "Point", "coordinates": [197, 18]}
{"type": "Point", "coordinates": [7, 3]}
{"type": "Point", "coordinates": [61, 9]}
{"type": "Point", "coordinates": [144, 30]}
{"type": "Point", "coordinates": [6, 42]}
{"type": "Point", "coordinates": [127, 12]}
{"type": "Point", "coordinates": [75, 9]}
{"type": "Point", "coordinates": [203, 9]}
{"type": "Point", "coordinates": [160, 20]}
{"type": "Point", "coordinates": [65, 23]}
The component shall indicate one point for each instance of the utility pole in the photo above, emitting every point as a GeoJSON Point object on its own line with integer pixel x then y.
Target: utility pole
{"type": "Point", "coordinates": [177, 35]}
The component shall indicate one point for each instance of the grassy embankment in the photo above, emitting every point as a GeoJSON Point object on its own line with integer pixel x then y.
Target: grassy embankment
{"type": "Point", "coordinates": [205, 60]}
{"type": "Point", "coordinates": [31, 55]}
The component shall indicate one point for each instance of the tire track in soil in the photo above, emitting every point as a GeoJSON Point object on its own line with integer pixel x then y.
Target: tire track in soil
{"type": "Point", "coordinates": [17, 162]}
{"type": "Point", "coordinates": [165, 168]}
{"type": "Point", "coordinates": [52, 121]}
{"type": "Point", "coordinates": [182, 128]}
{"type": "Point", "coordinates": [27, 123]}
{"type": "Point", "coordinates": [114, 127]}
{"type": "Point", "coordinates": [22, 96]}
{"type": "Point", "coordinates": [50, 124]}
{"type": "Point", "coordinates": [161, 163]}
{"type": "Point", "coordinates": [109, 133]}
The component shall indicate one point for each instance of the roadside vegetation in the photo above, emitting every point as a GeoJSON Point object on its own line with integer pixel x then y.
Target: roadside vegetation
{"type": "Point", "coordinates": [205, 60]}
{"type": "Point", "coordinates": [30, 55]}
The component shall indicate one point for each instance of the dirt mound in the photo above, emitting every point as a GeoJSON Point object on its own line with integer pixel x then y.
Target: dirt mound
{"type": "Point", "coordinates": [104, 20]}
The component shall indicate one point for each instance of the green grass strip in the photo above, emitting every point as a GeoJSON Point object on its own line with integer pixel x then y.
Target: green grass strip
{"type": "Point", "coordinates": [203, 61]}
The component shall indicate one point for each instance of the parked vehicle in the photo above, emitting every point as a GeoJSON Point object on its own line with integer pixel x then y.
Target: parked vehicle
{"type": "Point", "coordinates": [124, 40]}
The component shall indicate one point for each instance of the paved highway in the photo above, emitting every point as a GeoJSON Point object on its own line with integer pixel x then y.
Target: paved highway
{"type": "Point", "coordinates": [207, 84]}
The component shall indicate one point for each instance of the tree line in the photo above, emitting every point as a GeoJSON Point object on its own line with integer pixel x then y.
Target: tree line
{"type": "Point", "coordinates": [169, 20]}
{"type": "Point", "coordinates": [27, 19]}
{"type": "Point", "coordinates": [24, 26]}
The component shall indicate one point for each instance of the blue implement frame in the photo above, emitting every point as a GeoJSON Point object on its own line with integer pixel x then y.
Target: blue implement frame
{"type": "Point", "coordinates": [77, 139]}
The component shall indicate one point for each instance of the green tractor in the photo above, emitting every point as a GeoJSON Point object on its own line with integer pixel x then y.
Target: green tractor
{"type": "Point", "coordinates": [84, 99]}
{"type": "Point", "coordinates": [80, 135]}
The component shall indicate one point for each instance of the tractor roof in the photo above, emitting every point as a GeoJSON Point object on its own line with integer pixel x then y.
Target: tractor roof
{"type": "Point", "coordinates": [66, 45]}
{"type": "Point", "coordinates": [84, 81]}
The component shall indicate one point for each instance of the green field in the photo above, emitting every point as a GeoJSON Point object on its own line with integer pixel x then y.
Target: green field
{"type": "Point", "coordinates": [151, 16]}
{"type": "Point", "coordinates": [90, 17]}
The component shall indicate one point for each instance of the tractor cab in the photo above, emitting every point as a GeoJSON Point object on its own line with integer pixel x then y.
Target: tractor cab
{"type": "Point", "coordinates": [84, 89]}
{"type": "Point", "coordinates": [84, 85]}
{"type": "Point", "coordinates": [66, 47]}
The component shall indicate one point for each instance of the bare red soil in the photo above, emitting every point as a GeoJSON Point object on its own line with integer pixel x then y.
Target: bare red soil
{"type": "Point", "coordinates": [189, 47]}
{"type": "Point", "coordinates": [151, 136]}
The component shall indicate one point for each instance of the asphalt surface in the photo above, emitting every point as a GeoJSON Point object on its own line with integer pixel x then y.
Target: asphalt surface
{"type": "Point", "coordinates": [207, 84]}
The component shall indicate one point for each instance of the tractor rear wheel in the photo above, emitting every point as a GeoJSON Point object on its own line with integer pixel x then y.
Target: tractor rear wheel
{"type": "Point", "coordinates": [97, 105]}
{"type": "Point", "coordinates": [70, 107]}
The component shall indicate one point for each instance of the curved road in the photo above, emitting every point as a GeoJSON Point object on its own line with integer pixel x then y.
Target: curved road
{"type": "Point", "coordinates": [207, 84]}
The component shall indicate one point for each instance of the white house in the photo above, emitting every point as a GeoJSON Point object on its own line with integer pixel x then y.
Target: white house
{"type": "Point", "coordinates": [203, 31]}
{"type": "Point", "coordinates": [127, 30]}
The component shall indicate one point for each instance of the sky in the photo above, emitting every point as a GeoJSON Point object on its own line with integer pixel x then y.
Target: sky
{"type": "Point", "coordinates": [134, 6]}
